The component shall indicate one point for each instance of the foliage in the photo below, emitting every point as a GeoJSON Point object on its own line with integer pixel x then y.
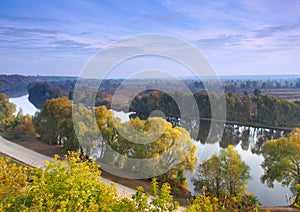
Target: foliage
{"type": "Point", "coordinates": [13, 182]}
{"type": "Point", "coordinates": [54, 123]}
{"type": "Point", "coordinates": [75, 185]}
{"type": "Point", "coordinates": [141, 199]}
{"type": "Point", "coordinates": [209, 177]}
{"type": "Point", "coordinates": [261, 109]}
{"type": "Point", "coordinates": [6, 111]}
{"type": "Point", "coordinates": [14, 85]}
{"type": "Point", "coordinates": [235, 172]}
{"type": "Point", "coordinates": [163, 200]}
{"type": "Point", "coordinates": [162, 136]}
{"type": "Point", "coordinates": [182, 157]}
{"type": "Point", "coordinates": [282, 161]}
{"type": "Point", "coordinates": [40, 92]}
{"type": "Point", "coordinates": [297, 201]}
{"type": "Point", "coordinates": [225, 174]}
{"type": "Point", "coordinates": [71, 185]}
{"type": "Point", "coordinates": [242, 202]}
{"type": "Point", "coordinates": [23, 125]}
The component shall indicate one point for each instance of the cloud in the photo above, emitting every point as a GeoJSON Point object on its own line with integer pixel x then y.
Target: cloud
{"type": "Point", "coordinates": [271, 30]}
{"type": "Point", "coordinates": [220, 41]}
{"type": "Point", "coordinates": [27, 19]}
{"type": "Point", "coordinates": [25, 32]}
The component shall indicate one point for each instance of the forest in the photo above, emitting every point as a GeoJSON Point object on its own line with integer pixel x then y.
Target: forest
{"type": "Point", "coordinates": [260, 110]}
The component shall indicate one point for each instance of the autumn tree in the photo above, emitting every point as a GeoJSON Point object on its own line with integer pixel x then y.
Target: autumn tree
{"type": "Point", "coordinates": [170, 148]}
{"type": "Point", "coordinates": [54, 123]}
{"type": "Point", "coordinates": [282, 161]}
{"type": "Point", "coordinates": [223, 174]}
{"type": "Point", "coordinates": [24, 127]}
{"type": "Point", "coordinates": [6, 111]}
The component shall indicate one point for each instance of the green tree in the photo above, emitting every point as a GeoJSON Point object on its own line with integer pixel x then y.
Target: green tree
{"type": "Point", "coordinates": [282, 161]}
{"type": "Point", "coordinates": [40, 92]}
{"type": "Point", "coordinates": [223, 174]}
{"type": "Point", "coordinates": [54, 123]}
{"type": "Point", "coordinates": [256, 92]}
{"type": "Point", "coordinates": [209, 176]}
{"type": "Point", "coordinates": [6, 111]}
{"type": "Point", "coordinates": [236, 172]}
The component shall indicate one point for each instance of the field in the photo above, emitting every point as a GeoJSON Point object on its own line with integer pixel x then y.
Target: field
{"type": "Point", "coordinates": [292, 94]}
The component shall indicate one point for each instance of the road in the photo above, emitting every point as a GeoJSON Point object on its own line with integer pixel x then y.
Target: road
{"type": "Point", "coordinates": [34, 159]}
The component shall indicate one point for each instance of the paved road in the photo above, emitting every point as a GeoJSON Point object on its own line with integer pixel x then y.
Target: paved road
{"type": "Point", "coordinates": [34, 159]}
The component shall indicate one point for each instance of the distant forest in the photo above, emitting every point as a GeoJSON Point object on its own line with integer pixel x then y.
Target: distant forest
{"type": "Point", "coordinates": [247, 102]}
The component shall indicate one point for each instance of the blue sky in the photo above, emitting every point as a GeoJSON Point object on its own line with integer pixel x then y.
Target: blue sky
{"type": "Point", "coordinates": [58, 37]}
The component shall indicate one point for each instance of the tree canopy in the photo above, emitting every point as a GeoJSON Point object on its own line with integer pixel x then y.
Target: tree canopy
{"type": "Point", "coordinates": [282, 161]}
{"type": "Point", "coordinates": [222, 174]}
{"type": "Point", "coordinates": [6, 111]}
{"type": "Point", "coordinates": [54, 123]}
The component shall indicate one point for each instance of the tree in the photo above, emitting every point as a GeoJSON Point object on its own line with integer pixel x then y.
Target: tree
{"type": "Point", "coordinates": [6, 111]}
{"type": "Point", "coordinates": [209, 176]}
{"type": "Point", "coordinates": [223, 174]}
{"type": "Point", "coordinates": [24, 127]}
{"type": "Point", "coordinates": [40, 92]}
{"type": "Point", "coordinates": [235, 171]}
{"type": "Point", "coordinates": [282, 161]}
{"type": "Point", "coordinates": [171, 148]}
{"type": "Point", "coordinates": [256, 92]}
{"type": "Point", "coordinates": [54, 123]}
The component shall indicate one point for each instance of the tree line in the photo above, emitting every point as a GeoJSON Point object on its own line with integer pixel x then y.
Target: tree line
{"type": "Point", "coordinates": [261, 110]}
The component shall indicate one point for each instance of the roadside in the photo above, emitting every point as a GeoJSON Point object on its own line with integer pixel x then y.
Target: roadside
{"type": "Point", "coordinates": [30, 151]}
{"type": "Point", "coordinates": [32, 158]}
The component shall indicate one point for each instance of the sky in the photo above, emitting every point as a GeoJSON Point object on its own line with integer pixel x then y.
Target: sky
{"type": "Point", "coordinates": [58, 37]}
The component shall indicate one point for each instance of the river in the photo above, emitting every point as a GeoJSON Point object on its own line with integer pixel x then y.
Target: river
{"type": "Point", "coordinates": [247, 140]}
{"type": "Point", "coordinates": [25, 104]}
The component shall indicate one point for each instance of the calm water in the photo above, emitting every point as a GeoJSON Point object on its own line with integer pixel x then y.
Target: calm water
{"type": "Point", "coordinates": [25, 104]}
{"type": "Point", "coordinates": [247, 140]}
{"type": "Point", "coordinates": [249, 147]}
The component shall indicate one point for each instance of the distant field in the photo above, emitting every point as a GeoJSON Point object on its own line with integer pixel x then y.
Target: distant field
{"type": "Point", "coordinates": [284, 93]}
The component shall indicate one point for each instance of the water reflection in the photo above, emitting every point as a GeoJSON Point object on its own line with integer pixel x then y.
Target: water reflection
{"type": "Point", "coordinates": [247, 137]}
{"type": "Point", "coordinates": [248, 141]}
